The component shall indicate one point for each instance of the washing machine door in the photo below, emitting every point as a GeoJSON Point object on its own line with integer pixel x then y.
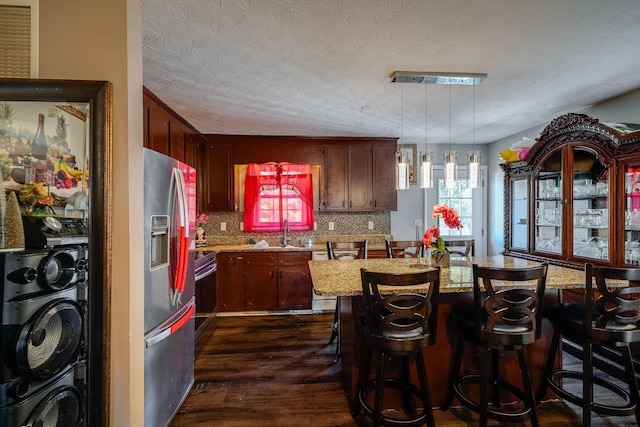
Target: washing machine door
{"type": "Point", "coordinates": [60, 408]}
{"type": "Point", "coordinates": [49, 340]}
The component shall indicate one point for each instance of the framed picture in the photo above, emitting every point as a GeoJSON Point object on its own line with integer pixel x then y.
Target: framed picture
{"type": "Point", "coordinates": [55, 162]}
{"type": "Point", "coordinates": [409, 155]}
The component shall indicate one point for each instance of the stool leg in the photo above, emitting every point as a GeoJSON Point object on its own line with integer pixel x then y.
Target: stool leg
{"type": "Point", "coordinates": [363, 377]}
{"type": "Point", "coordinates": [335, 330]}
{"type": "Point", "coordinates": [454, 371]}
{"type": "Point", "coordinates": [484, 386]}
{"type": "Point", "coordinates": [528, 387]}
{"type": "Point", "coordinates": [495, 376]}
{"type": "Point", "coordinates": [377, 415]}
{"type": "Point", "coordinates": [406, 377]}
{"type": "Point", "coordinates": [587, 384]}
{"type": "Point", "coordinates": [548, 367]}
{"type": "Point", "coordinates": [424, 387]}
{"type": "Point", "coordinates": [631, 380]}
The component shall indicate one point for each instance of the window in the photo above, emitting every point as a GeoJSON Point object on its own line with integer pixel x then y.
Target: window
{"type": "Point", "coordinates": [275, 192]}
{"type": "Point", "coordinates": [469, 203]}
{"type": "Point", "coordinates": [461, 199]}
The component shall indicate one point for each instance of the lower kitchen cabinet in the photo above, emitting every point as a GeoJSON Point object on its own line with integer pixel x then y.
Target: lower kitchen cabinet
{"type": "Point", "coordinates": [263, 281]}
{"type": "Point", "coordinates": [294, 281]}
{"type": "Point", "coordinates": [230, 280]}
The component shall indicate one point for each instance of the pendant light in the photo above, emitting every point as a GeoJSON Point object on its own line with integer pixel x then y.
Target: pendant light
{"type": "Point", "coordinates": [475, 156]}
{"type": "Point", "coordinates": [450, 156]}
{"type": "Point", "coordinates": [426, 158]}
{"type": "Point", "coordinates": [402, 166]}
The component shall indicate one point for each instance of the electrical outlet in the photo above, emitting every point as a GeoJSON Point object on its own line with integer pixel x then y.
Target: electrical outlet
{"type": "Point", "coordinates": [241, 225]}
{"type": "Point", "coordinates": [370, 225]}
{"type": "Point", "coordinates": [331, 225]}
{"type": "Point", "coordinates": [223, 226]}
{"type": "Point", "coordinates": [417, 222]}
{"type": "Point", "coordinates": [315, 225]}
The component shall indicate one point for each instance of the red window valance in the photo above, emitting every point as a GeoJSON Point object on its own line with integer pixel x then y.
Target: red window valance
{"type": "Point", "coordinates": [275, 192]}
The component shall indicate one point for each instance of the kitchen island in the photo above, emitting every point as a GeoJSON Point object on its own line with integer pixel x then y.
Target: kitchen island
{"type": "Point", "coordinates": [342, 279]}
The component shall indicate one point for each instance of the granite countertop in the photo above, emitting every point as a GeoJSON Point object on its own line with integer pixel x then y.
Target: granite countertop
{"type": "Point", "coordinates": [316, 247]}
{"type": "Point", "coordinates": [342, 278]}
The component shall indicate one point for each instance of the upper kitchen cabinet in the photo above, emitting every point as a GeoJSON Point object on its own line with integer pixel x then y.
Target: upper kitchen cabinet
{"type": "Point", "coordinates": [359, 176]}
{"type": "Point", "coordinates": [562, 198]}
{"type": "Point", "coordinates": [165, 131]}
{"type": "Point", "coordinates": [355, 174]}
{"type": "Point", "coordinates": [217, 184]}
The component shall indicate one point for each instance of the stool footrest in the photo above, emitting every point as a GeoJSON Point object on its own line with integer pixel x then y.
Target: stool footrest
{"type": "Point", "coordinates": [418, 419]}
{"type": "Point", "coordinates": [502, 415]}
{"type": "Point", "coordinates": [628, 408]}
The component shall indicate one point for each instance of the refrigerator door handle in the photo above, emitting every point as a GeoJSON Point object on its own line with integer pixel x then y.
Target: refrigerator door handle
{"type": "Point", "coordinates": [167, 329]}
{"type": "Point", "coordinates": [183, 235]}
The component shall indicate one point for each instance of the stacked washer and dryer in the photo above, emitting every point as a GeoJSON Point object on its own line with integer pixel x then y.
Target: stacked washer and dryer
{"type": "Point", "coordinates": [43, 336]}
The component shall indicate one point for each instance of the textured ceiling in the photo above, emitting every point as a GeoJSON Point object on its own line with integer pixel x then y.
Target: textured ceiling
{"type": "Point", "coordinates": [322, 67]}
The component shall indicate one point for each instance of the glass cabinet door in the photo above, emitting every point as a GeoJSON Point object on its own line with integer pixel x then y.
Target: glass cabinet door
{"type": "Point", "coordinates": [519, 213]}
{"type": "Point", "coordinates": [632, 214]}
{"type": "Point", "coordinates": [548, 206]}
{"type": "Point", "coordinates": [590, 206]}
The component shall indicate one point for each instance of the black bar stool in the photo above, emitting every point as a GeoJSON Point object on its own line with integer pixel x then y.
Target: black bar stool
{"type": "Point", "coordinates": [397, 321]}
{"type": "Point", "coordinates": [506, 317]}
{"type": "Point", "coordinates": [404, 248]}
{"type": "Point", "coordinates": [343, 251]}
{"type": "Point", "coordinates": [609, 318]}
{"type": "Point", "coordinates": [469, 246]}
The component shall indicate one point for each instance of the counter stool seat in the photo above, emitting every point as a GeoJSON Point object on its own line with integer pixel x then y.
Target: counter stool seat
{"type": "Point", "coordinates": [608, 318]}
{"type": "Point", "coordinates": [397, 324]}
{"type": "Point", "coordinates": [502, 319]}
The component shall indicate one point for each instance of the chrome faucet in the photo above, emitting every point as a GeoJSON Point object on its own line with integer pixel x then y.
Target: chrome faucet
{"type": "Point", "coordinates": [285, 230]}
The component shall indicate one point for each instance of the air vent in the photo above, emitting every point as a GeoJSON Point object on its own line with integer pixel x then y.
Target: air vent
{"type": "Point", "coordinates": [18, 38]}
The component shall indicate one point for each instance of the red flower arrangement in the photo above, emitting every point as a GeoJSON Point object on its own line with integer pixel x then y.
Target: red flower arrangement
{"type": "Point", "coordinates": [432, 237]}
{"type": "Point", "coordinates": [201, 219]}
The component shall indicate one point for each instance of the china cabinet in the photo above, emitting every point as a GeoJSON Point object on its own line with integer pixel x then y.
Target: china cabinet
{"type": "Point", "coordinates": [575, 197]}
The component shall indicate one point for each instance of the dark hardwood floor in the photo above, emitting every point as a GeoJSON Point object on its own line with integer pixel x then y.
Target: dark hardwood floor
{"type": "Point", "coordinates": [278, 370]}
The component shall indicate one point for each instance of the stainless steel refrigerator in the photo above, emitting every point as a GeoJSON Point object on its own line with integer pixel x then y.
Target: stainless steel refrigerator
{"type": "Point", "coordinates": [169, 302]}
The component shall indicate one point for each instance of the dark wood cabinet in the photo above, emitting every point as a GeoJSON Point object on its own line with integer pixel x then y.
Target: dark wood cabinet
{"type": "Point", "coordinates": [217, 183]}
{"type": "Point", "coordinates": [157, 121]}
{"type": "Point", "coordinates": [164, 130]}
{"type": "Point", "coordinates": [263, 281]}
{"type": "Point", "coordinates": [571, 200]}
{"type": "Point", "coordinates": [357, 174]}
{"type": "Point", "coordinates": [294, 281]}
{"type": "Point", "coordinates": [336, 173]}
{"type": "Point", "coordinates": [230, 281]}
{"type": "Point", "coordinates": [384, 193]}
{"type": "Point", "coordinates": [360, 177]}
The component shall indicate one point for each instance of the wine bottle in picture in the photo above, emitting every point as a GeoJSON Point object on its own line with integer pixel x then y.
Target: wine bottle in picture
{"type": "Point", "coordinates": [39, 143]}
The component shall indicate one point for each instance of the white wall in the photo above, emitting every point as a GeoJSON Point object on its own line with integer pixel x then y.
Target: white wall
{"type": "Point", "coordinates": [625, 109]}
{"type": "Point", "coordinates": [102, 40]}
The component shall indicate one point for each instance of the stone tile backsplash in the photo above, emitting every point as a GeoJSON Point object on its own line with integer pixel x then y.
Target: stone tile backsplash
{"type": "Point", "coordinates": [347, 226]}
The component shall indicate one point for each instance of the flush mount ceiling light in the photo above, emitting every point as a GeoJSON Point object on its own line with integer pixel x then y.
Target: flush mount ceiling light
{"type": "Point", "coordinates": [442, 78]}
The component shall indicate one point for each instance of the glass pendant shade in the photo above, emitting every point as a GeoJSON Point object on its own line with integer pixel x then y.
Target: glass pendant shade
{"type": "Point", "coordinates": [426, 170]}
{"type": "Point", "coordinates": [402, 172]}
{"type": "Point", "coordinates": [450, 169]}
{"type": "Point", "coordinates": [474, 169]}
